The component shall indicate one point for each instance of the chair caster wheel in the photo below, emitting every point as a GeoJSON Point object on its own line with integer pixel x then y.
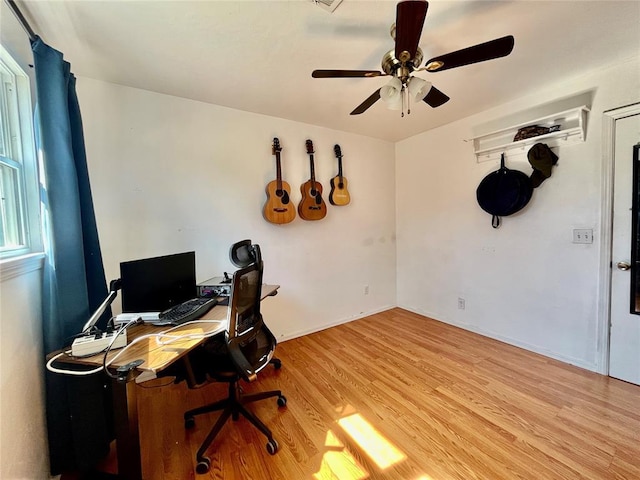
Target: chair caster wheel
{"type": "Point", "coordinates": [189, 422]}
{"type": "Point", "coordinates": [277, 364]}
{"type": "Point", "coordinates": [272, 446]}
{"type": "Point", "coordinates": [203, 465]}
{"type": "Point", "coordinates": [282, 401]}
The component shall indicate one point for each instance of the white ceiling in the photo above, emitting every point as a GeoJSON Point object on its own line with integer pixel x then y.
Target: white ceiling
{"type": "Point", "coordinates": [258, 55]}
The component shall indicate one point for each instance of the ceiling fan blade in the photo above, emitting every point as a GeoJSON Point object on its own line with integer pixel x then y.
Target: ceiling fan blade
{"type": "Point", "coordinates": [346, 73]}
{"type": "Point", "coordinates": [435, 98]}
{"type": "Point", "coordinates": [410, 16]}
{"type": "Point", "coordinates": [500, 47]}
{"type": "Point", "coordinates": [375, 96]}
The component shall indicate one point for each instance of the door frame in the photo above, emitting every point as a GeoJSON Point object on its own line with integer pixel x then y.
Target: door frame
{"type": "Point", "coordinates": [609, 119]}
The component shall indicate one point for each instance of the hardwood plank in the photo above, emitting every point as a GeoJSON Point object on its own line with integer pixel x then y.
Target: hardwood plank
{"type": "Point", "coordinates": [451, 403]}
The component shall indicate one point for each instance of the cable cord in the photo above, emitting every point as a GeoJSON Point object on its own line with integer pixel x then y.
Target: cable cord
{"type": "Point", "coordinates": [158, 337]}
{"type": "Point", "coordinates": [188, 336]}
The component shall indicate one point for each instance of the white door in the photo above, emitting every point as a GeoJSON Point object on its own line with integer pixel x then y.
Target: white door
{"type": "Point", "coordinates": [624, 340]}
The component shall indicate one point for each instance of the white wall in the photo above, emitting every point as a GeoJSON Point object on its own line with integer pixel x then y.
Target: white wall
{"type": "Point", "coordinates": [171, 175]}
{"type": "Point", "coordinates": [525, 283]}
{"type": "Point", "coordinates": [23, 434]}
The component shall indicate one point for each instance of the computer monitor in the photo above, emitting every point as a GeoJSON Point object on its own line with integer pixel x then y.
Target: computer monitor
{"type": "Point", "coordinates": [155, 284]}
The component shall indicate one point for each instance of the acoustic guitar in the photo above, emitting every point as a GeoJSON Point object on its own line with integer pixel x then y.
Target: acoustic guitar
{"type": "Point", "coordinates": [312, 206]}
{"type": "Point", "coordinates": [278, 208]}
{"type": "Point", "coordinates": [339, 194]}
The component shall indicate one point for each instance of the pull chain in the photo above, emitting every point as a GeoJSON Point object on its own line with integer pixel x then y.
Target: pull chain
{"type": "Point", "coordinates": [404, 97]}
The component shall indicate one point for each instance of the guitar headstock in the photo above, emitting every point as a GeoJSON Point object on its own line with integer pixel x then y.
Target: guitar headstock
{"type": "Point", "coordinates": [309, 147]}
{"type": "Point", "coordinates": [338, 151]}
{"type": "Point", "coordinates": [276, 146]}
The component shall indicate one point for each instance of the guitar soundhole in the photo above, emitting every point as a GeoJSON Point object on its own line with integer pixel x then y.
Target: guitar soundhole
{"type": "Point", "coordinates": [341, 186]}
{"type": "Point", "coordinates": [313, 193]}
{"type": "Point", "coordinates": [284, 196]}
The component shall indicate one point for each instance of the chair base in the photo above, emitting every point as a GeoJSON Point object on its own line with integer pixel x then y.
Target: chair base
{"type": "Point", "coordinates": [232, 406]}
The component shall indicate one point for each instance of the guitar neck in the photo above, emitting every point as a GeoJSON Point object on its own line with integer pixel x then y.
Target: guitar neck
{"type": "Point", "coordinates": [278, 171]}
{"type": "Point", "coordinates": [338, 152]}
{"type": "Point", "coordinates": [313, 170]}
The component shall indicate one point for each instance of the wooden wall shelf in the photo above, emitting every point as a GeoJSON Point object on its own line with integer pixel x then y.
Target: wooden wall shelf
{"type": "Point", "coordinates": [573, 128]}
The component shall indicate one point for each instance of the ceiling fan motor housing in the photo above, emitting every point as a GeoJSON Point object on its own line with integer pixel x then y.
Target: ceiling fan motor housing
{"type": "Point", "coordinates": [392, 66]}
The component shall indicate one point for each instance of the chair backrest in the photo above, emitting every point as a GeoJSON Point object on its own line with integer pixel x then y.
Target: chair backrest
{"type": "Point", "coordinates": [245, 319]}
{"type": "Point", "coordinates": [244, 325]}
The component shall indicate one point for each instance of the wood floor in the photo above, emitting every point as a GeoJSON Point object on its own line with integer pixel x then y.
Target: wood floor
{"type": "Point", "coordinates": [439, 403]}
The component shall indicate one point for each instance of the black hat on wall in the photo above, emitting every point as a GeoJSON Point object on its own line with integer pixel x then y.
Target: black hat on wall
{"type": "Point", "coordinates": [542, 159]}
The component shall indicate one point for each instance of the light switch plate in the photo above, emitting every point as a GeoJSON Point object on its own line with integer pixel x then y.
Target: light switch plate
{"type": "Point", "coordinates": [584, 235]}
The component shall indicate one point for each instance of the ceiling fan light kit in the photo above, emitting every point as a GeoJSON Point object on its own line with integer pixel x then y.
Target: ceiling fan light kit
{"type": "Point", "coordinates": [418, 89]}
{"type": "Point", "coordinates": [397, 93]}
{"type": "Point", "coordinates": [406, 58]}
{"type": "Point", "coordinates": [391, 94]}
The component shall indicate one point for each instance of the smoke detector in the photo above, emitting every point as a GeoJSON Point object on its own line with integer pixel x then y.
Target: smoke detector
{"type": "Point", "coordinates": [328, 5]}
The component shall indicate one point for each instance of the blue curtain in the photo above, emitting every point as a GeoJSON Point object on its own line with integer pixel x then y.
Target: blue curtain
{"type": "Point", "coordinates": [73, 279]}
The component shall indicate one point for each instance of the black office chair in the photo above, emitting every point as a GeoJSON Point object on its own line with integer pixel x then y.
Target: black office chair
{"type": "Point", "coordinates": [242, 254]}
{"type": "Point", "coordinates": [247, 348]}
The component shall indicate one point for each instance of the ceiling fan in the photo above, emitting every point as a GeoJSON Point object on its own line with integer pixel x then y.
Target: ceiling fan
{"type": "Point", "coordinates": [406, 58]}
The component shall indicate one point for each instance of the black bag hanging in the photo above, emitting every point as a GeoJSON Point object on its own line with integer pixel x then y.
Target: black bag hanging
{"type": "Point", "coordinates": [504, 192]}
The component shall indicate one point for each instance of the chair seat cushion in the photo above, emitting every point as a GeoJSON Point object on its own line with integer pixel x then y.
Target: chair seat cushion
{"type": "Point", "coordinates": [212, 359]}
{"type": "Point", "coordinates": [259, 350]}
{"type": "Point", "coordinates": [214, 356]}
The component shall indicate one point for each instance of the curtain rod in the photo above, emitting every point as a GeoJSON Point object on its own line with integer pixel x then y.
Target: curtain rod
{"type": "Point", "coordinates": [21, 19]}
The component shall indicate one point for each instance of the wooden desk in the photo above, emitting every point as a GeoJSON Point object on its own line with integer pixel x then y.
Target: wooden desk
{"type": "Point", "coordinates": [156, 356]}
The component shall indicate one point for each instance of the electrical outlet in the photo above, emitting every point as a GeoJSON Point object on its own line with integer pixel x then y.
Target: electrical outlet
{"type": "Point", "coordinates": [460, 303]}
{"type": "Point", "coordinates": [584, 235]}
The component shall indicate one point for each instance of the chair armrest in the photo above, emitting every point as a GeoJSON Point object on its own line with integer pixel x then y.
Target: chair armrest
{"type": "Point", "coordinates": [242, 364]}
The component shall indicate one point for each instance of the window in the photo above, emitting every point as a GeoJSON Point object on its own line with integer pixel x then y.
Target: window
{"type": "Point", "coordinates": [19, 204]}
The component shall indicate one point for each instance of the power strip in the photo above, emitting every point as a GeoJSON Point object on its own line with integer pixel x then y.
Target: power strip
{"type": "Point", "coordinates": [92, 344]}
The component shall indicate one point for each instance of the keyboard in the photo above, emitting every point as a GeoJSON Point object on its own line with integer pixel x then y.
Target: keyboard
{"type": "Point", "coordinates": [186, 311]}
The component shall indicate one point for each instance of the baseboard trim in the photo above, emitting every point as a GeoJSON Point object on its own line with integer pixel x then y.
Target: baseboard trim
{"type": "Point", "coordinates": [593, 367]}
{"type": "Point", "coordinates": [301, 333]}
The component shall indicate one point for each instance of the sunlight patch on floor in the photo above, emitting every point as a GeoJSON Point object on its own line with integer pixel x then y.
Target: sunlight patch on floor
{"type": "Point", "coordinates": [338, 463]}
{"type": "Point", "coordinates": [374, 444]}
